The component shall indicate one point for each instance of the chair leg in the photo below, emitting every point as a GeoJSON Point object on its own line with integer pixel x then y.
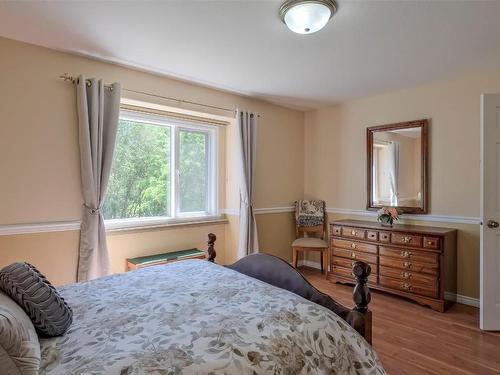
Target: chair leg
{"type": "Point", "coordinates": [321, 256]}
{"type": "Point", "coordinates": [294, 257]}
{"type": "Point", "coordinates": [324, 254]}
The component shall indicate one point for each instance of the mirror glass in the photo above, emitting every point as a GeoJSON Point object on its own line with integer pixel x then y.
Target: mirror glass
{"type": "Point", "coordinates": [396, 168]}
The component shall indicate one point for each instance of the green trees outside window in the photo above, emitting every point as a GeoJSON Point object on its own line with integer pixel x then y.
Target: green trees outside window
{"type": "Point", "coordinates": [193, 171]}
{"type": "Point", "coordinates": [141, 182]}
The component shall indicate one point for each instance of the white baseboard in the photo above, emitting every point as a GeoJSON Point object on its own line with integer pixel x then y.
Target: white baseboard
{"type": "Point", "coordinates": [259, 211]}
{"type": "Point", "coordinates": [230, 211]}
{"type": "Point", "coordinates": [435, 218]}
{"type": "Point", "coordinates": [309, 263]}
{"type": "Point", "coordinates": [273, 210]}
{"type": "Point", "coordinates": [56, 226]}
{"type": "Point", "coordinates": [464, 300]}
{"type": "Point", "coordinates": [366, 213]}
{"type": "Point", "coordinates": [10, 229]}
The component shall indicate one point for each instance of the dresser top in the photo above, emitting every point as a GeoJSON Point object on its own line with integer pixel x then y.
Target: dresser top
{"type": "Point", "coordinates": [395, 228]}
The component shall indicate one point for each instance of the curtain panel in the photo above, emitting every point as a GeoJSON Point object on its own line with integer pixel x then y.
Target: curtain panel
{"type": "Point", "coordinates": [247, 141]}
{"type": "Point", "coordinates": [98, 111]}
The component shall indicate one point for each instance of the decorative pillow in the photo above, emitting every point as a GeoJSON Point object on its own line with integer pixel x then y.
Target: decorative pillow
{"type": "Point", "coordinates": [19, 346]}
{"type": "Point", "coordinates": [48, 311]}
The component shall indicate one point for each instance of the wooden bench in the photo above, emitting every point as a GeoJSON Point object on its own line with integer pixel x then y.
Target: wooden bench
{"type": "Point", "coordinates": [157, 259]}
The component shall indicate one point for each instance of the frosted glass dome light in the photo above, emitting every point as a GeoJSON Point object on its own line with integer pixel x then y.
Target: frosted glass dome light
{"type": "Point", "coordinates": [307, 16]}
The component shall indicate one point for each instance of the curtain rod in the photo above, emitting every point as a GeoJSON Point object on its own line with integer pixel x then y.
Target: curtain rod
{"type": "Point", "coordinates": [67, 78]}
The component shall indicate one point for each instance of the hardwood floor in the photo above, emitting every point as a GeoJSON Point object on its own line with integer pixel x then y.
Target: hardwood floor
{"type": "Point", "coordinates": [411, 339]}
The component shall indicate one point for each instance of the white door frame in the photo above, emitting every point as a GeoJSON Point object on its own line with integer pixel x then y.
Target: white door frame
{"type": "Point", "coordinates": [490, 213]}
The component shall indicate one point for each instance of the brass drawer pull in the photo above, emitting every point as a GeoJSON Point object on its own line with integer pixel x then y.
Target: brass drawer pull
{"type": "Point", "coordinates": [406, 254]}
{"type": "Point", "coordinates": [352, 264]}
{"type": "Point", "coordinates": [406, 239]}
{"type": "Point", "coordinates": [406, 286]}
{"type": "Point", "coordinates": [353, 255]}
{"type": "Point", "coordinates": [353, 232]}
{"type": "Point", "coordinates": [405, 275]}
{"type": "Point", "coordinates": [430, 243]}
{"type": "Point", "coordinates": [353, 245]}
{"type": "Point", "coordinates": [406, 264]}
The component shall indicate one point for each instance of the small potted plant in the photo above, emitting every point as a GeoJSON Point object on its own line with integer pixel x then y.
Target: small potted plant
{"type": "Point", "coordinates": [387, 215]}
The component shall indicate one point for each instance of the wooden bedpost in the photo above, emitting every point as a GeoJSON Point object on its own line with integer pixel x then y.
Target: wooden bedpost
{"type": "Point", "coordinates": [211, 250]}
{"type": "Point", "coordinates": [361, 296]}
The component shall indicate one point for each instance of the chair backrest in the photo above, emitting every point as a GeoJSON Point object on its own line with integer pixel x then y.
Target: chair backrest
{"type": "Point", "coordinates": [310, 229]}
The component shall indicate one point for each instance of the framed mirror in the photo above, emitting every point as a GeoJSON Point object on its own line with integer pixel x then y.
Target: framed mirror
{"type": "Point", "coordinates": [397, 166]}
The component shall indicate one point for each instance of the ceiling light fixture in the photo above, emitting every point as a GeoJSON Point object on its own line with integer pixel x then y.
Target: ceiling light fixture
{"type": "Point", "coordinates": [307, 16]}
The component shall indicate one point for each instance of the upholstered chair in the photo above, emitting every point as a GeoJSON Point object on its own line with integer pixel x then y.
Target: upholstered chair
{"type": "Point", "coordinates": [310, 225]}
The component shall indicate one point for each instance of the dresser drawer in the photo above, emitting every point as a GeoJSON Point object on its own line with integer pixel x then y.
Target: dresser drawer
{"type": "Point", "coordinates": [409, 254]}
{"type": "Point", "coordinates": [431, 269]}
{"type": "Point", "coordinates": [371, 235]}
{"type": "Point", "coordinates": [431, 243]}
{"type": "Point", "coordinates": [354, 233]}
{"type": "Point", "coordinates": [354, 245]}
{"type": "Point", "coordinates": [348, 263]}
{"type": "Point", "coordinates": [384, 237]}
{"type": "Point", "coordinates": [406, 275]}
{"type": "Point", "coordinates": [406, 239]}
{"type": "Point", "coordinates": [347, 272]}
{"type": "Point", "coordinates": [335, 230]}
{"type": "Point", "coordinates": [355, 255]}
{"type": "Point", "coordinates": [408, 286]}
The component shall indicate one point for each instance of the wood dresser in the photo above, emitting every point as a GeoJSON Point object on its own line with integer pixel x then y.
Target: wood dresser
{"type": "Point", "coordinates": [412, 261]}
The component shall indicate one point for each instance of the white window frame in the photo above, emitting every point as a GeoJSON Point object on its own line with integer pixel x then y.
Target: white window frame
{"type": "Point", "coordinates": [177, 125]}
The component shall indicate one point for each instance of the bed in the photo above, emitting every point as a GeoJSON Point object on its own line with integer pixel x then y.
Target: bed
{"type": "Point", "coordinates": [197, 317]}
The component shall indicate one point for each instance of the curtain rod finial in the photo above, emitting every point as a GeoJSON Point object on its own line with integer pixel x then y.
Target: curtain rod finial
{"type": "Point", "coordinates": [66, 77]}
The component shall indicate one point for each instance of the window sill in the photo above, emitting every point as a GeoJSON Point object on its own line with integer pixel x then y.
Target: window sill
{"type": "Point", "coordinates": [125, 225]}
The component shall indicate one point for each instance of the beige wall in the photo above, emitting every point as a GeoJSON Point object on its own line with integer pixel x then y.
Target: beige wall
{"type": "Point", "coordinates": [39, 145]}
{"type": "Point", "coordinates": [276, 234]}
{"type": "Point", "coordinates": [232, 238]}
{"type": "Point", "coordinates": [335, 142]}
{"type": "Point", "coordinates": [39, 159]}
{"type": "Point", "coordinates": [319, 154]}
{"type": "Point", "coordinates": [134, 243]}
{"type": "Point", "coordinates": [335, 154]}
{"type": "Point", "coordinates": [55, 254]}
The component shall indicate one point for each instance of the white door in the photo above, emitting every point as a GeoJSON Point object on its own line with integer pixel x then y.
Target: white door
{"type": "Point", "coordinates": [490, 212]}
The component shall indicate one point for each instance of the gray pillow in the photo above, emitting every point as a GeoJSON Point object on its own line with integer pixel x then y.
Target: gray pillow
{"type": "Point", "coordinates": [19, 346]}
{"type": "Point", "coordinates": [49, 313]}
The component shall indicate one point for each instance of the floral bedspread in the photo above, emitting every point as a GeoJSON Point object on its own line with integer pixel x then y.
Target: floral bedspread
{"type": "Point", "coordinates": [195, 317]}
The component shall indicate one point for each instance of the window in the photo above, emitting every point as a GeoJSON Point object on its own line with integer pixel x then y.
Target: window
{"type": "Point", "coordinates": [162, 169]}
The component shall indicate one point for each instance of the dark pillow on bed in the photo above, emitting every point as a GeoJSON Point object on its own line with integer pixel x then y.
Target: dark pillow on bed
{"type": "Point", "coordinates": [48, 311]}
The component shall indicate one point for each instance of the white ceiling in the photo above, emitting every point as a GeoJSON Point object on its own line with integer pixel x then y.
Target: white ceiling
{"type": "Point", "coordinates": [369, 47]}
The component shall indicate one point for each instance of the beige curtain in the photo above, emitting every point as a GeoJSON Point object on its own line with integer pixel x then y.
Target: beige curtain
{"type": "Point", "coordinates": [247, 141]}
{"type": "Point", "coordinates": [98, 111]}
